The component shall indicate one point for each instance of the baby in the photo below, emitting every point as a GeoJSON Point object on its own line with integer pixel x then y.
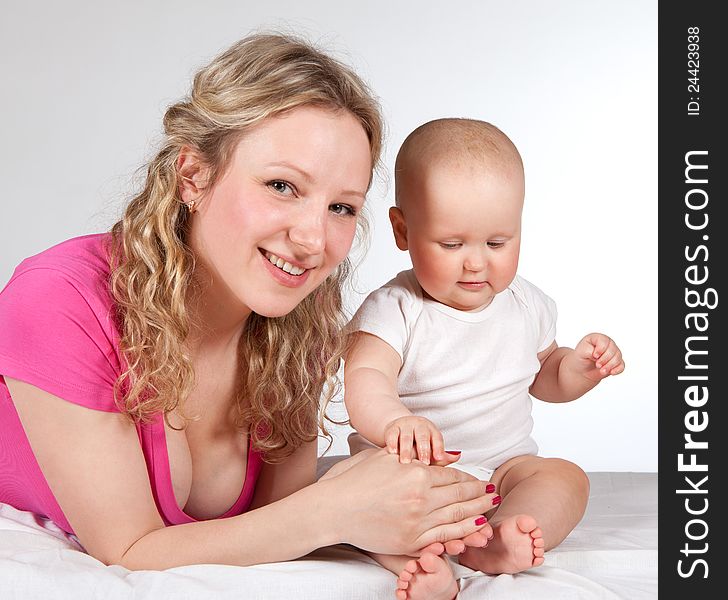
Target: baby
{"type": "Point", "coordinates": [455, 348]}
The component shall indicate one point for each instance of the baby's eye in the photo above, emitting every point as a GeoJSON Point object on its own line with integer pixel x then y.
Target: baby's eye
{"type": "Point", "coordinates": [496, 244]}
{"type": "Point", "coordinates": [450, 245]}
{"type": "Point", "coordinates": [280, 186]}
{"type": "Point", "coordinates": [343, 210]}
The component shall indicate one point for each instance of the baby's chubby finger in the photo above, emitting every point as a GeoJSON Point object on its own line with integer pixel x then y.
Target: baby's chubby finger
{"type": "Point", "coordinates": [406, 441]}
{"type": "Point", "coordinates": [422, 440]}
{"type": "Point", "coordinates": [606, 361]}
{"type": "Point", "coordinates": [603, 355]}
{"type": "Point", "coordinates": [448, 458]}
{"type": "Point", "coordinates": [616, 365]}
{"type": "Point", "coordinates": [610, 360]}
{"type": "Point", "coordinates": [593, 343]}
{"type": "Point", "coordinates": [391, 439]}
{"type": "Point", "coordinates": [607, 353]}
{"type": "Point", "coordinates": [438, 444]}
{"type": "Point", "coordinates": [604, 347]}
{"type": "Point", "coordinates": [617, 370]}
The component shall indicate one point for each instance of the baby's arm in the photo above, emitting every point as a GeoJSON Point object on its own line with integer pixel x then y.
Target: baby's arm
{"type": "Point", "coordinates": [568, 373]}
{"type": "Point", "coordinates": [374, 407]}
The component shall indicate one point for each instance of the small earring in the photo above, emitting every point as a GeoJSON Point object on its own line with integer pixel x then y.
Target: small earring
{"type": "Point", "coordinates": [190, 206]}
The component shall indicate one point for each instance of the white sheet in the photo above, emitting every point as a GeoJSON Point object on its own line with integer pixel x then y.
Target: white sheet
{"type": "Point", "coordinates": [611, 554]}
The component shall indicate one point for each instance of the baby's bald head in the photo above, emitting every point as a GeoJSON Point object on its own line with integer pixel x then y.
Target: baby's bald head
{"type": "Point", "coordinates": [454, 143]}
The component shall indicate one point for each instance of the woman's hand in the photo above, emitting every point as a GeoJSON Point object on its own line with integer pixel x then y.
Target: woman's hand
{"type": "Point", "coordinates": [392, 508]}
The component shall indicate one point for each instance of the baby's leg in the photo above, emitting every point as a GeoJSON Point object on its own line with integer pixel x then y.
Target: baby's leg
{"type": "Point", "coordinates": [542, 501]}
{"type": "Point", "coordinates": [428, 577]}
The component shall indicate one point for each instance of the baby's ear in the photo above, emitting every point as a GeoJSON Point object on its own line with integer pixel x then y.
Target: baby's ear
{"type": "Point", "coordinates": [399, 227]}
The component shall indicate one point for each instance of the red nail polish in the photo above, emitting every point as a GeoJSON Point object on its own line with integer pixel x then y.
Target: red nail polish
{"type": "Point", "coordinates": [481, 521]}
{"type": "Point", "coordinates": [454, 452]}
{"type": "Point", "coordinates": [497, 500]}
{"type": "Point", "coordinates": [490, 488]}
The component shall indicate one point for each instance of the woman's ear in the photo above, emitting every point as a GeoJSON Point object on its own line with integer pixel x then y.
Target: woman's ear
{"type": "Point", "coordinates": [193, 174]}
{"type": "Point", "coordinates": [399, 227]}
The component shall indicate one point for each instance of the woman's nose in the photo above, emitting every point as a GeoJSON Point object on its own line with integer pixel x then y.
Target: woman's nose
{"type": "Point", "coordinates": [308, 230]}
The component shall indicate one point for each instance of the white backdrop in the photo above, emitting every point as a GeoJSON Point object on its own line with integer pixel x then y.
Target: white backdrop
{"type": "Point", "coordinates": [572, 82]}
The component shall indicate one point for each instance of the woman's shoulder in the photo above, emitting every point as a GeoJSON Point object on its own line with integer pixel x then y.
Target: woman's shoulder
{"type": "Point", "coordinates": [58, 323]}
{"type": "Point", "coordinates": [79, 265]}
{"type": "Point", "coordinates": [78, 257]}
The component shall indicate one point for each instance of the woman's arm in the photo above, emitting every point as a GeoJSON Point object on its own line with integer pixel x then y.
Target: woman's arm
{"type": "Point", "coordinates": [94, 465]}
{"type": "Point", "coordinates": [276, 481]}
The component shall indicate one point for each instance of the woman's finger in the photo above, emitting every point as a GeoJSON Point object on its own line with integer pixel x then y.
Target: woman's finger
{"type": "Point", "coordinates": [442, 476]}
{"type": "Point", "coordinates": [452, 531]}
{"type": "Point", "coordinates": [456, 511]}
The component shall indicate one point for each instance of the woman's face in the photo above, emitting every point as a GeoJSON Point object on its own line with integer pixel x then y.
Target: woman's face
{"type": "Point", "coordinates": [283, 215]}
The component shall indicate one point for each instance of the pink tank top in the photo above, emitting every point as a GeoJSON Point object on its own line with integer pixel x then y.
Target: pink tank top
{"type": "Point", "coordinates": [57, 333]}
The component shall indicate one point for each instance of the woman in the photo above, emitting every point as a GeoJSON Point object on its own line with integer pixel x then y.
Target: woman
{"type": "Point", "coordinates": [160, 384]}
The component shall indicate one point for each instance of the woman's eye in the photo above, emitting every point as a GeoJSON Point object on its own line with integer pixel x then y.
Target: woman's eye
{"type": "Point", "coordinates": [281, 187]}
{"type": "Point", "coordinates": [343, 209]}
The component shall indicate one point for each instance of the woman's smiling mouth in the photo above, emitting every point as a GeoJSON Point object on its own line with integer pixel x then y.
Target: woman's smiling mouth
{"type": "Point", "coordinates": [284, 265]}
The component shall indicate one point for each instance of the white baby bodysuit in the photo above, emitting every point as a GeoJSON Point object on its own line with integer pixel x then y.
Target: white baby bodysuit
{"type": "Point", "coordinates": [468, 372]}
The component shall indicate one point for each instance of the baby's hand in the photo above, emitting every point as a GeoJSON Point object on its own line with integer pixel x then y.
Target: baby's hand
{"type": "Point", "coordinates": [416, 437]}
{"type": "Point", "coordinates": [599, 356]}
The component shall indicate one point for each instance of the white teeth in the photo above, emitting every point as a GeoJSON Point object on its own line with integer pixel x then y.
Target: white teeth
{"type": "Point", "coordinates": [284, 265]}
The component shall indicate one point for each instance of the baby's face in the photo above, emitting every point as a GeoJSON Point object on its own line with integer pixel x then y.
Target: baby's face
{"type": "Point", "coordinates": [463, 232]}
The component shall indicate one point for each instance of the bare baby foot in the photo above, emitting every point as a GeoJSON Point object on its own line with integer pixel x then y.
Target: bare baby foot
{"type": "Point", "coordinates": [517, 545]}
{"type": "Point", "coordinates": [427, 578]}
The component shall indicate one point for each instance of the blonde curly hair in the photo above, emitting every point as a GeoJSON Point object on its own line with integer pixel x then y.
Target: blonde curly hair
{"type": "Point", "coordinates": [287, 364]}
